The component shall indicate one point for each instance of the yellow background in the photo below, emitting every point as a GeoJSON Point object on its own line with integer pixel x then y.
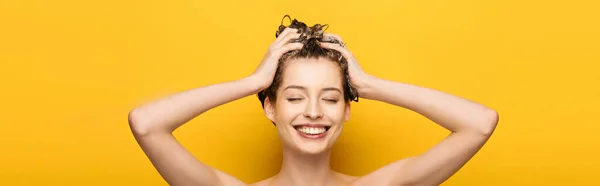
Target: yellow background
{"type": "Point", "coordinates": [71, 71]}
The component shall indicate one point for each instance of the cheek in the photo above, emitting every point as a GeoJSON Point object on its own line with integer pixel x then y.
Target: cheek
{"type": "Point", "coordinates": [336, 111]}
{"type": "Point", "coordinates": [285, 112]}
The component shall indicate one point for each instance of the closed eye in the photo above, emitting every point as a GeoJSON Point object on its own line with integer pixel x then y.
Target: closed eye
{"type": "Point", "coordinates": [294, 99]}
{"type": "Point", "coordinates": [331, 100]}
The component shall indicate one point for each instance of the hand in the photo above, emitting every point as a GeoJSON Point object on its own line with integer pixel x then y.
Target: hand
{"type": "Point", "coordinates": [358, 77]}
{"type": "Point", "coordinates": [267, 68]}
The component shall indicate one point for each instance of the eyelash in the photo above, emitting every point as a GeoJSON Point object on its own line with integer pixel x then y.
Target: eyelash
{"type": "Point", "coordinates": [294, 99]}
{"type": "Point", "coordinates": [332, 100]}
{"type": "Point", "coordinates": [298, 99]}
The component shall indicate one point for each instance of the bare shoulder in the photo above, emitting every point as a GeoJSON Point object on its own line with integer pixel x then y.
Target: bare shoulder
{"type": "Point", "coordinates": [343, 179]}
{"type": "Point", "coordinates": [383, 175]}
{"type": "Point", "coordinates": [264, 182]}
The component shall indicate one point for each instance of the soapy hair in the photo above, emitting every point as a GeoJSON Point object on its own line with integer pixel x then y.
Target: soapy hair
{"type": "Point", "coordinates": [310, 37]}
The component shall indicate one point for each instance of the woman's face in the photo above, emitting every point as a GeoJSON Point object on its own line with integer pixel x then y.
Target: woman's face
{"type": "Point", "coordinates": [310, 108]}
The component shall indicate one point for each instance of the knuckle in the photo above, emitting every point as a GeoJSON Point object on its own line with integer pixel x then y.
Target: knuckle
{"type": "Point", "coordinates": [285, 48]}
{"type": "Point", "coordinates": [288, 29]}
{"type": "Point", "coordinates": [275, 52]}
{"type": "Point", "coordinates": [294, 35]}
{"type": "Point", "coordinates": [284, 32]}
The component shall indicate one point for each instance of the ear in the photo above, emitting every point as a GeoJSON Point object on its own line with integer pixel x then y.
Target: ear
{"type": "Point", "coordinates": [269, 109]}
{"type": "Point", "coordinates": [347, 112]}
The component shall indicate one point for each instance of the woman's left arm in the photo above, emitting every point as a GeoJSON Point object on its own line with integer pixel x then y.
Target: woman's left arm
{"type": "Point", "coordinates": [471, 124]}
{"type": "Point", "coordinates": [454, 113]}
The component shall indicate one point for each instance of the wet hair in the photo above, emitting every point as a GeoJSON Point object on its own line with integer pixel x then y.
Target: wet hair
{"type": "Point", "coordinates": [310, 37]}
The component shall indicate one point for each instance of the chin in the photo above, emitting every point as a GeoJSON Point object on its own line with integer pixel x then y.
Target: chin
{"type": "Point", "coordinates": [312, 148]}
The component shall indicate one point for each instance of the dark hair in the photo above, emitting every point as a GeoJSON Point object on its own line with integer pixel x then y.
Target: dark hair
{"type": "Point", "coordinates": [310, 36]}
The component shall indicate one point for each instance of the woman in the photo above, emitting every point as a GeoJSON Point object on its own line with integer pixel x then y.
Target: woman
{"type": "Point", "coordinates": [305, 82]}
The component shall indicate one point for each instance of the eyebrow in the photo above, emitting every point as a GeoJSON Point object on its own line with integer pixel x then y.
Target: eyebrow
{"type": "Point", "coordinates": [304, 88]}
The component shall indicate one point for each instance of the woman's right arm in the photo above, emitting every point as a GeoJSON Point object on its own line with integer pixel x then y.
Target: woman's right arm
{"type": "Point", "coordinates": [167, 114]}
{"type": "Point", "coordinates": [153, 123]}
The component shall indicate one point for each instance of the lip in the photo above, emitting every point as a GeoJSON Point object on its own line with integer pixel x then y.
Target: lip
{"type": "Point", "coordinates": [309, 136]}
{"type": "Point", "coordinates": [312, 125]}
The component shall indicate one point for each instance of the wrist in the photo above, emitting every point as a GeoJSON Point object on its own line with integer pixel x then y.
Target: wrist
{"type": "Point", "coordinates": [258, 83]}
{"type": "Point", "coordinates": [365, 86]}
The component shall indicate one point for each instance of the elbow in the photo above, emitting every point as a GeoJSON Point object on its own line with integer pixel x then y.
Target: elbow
{"type": "Point", "coordinates": [489, 122]}
{"type": "Point", "coordinates": [138, 124]}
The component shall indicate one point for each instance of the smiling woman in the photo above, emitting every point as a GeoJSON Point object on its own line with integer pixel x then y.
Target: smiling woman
{"type": "Point", "coordinates": [305, 83]}
{"type": "Point", "coordinates": [311, 108]}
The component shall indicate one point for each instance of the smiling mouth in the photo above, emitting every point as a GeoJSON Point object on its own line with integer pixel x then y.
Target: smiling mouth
{"type": "Point", "coordinates": [312, 130]}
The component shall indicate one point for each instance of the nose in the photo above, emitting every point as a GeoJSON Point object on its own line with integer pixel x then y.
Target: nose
{"type": "Point", "coordinates": [313, 110]}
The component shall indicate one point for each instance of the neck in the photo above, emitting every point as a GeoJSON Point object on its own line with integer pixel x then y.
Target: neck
{"type": "Point", "coordinates": [305, 169]}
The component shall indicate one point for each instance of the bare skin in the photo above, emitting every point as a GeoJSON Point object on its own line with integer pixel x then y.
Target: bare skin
{"type": "Point", "coordinates": [313, 98]}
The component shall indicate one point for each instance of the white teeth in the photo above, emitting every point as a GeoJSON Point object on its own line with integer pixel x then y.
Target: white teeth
{"type": "Point", "coordinates": [312, 130]}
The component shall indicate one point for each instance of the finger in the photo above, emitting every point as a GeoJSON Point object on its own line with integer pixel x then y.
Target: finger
{"type": "Point", "coordinates": [285, 32]}
{"type": "Point", "coordinates": [335, 36]}
{"type": "Point", "coordinates": [288, 47]}
{"type": "Point", "coordinates": [345, 52]}
{"type": "Point", "coordinates": [287, 39]}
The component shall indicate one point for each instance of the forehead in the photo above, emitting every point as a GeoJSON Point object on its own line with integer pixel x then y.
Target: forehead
{"type": "Point", "coordinates": [313, 72]}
